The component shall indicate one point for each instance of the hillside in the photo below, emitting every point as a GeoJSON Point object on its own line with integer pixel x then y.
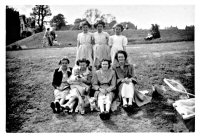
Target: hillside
{"type": "Point", "coordinates": [68, 38]}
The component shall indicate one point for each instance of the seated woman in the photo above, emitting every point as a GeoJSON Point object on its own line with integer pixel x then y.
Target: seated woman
{"type": "Point", "coordinates": [78, 89]}
{"type": "Point", "coordinates": [80, 83]}
{"type": "Point", "coordinates": [104, 83]}
{"type": "Point", "coordinates": [61, 84]}
{"type": "Point", "coordinates": [126, 81]}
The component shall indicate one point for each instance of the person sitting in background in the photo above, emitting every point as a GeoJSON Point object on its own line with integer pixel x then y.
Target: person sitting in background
{"type": "Point", "coordinates": [104, 83]}
{"type": "Point", "coordinates": [61, 85]}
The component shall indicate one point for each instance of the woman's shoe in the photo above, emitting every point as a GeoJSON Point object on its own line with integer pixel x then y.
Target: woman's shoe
{"type": "Point", "coordinates": [52, 105]}
{"type": "Point", "coordinates": [125, 106]}
{"type": "Point", "coordinates": [58, 107]}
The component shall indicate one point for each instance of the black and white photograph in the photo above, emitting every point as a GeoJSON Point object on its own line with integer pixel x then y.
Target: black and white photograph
{"type": "Point", "coordinates": [100, 68]}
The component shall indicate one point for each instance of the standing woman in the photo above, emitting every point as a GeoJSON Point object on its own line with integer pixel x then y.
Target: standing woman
{"type": "Point", "coordinates": [84, 43]}
{"type": "Point", "coordinates": [117, 42]}
{"type": "Point", "coordinates": [104, 84]}
{"type": "Point", "coordinates": [126, 81]}
{"type": "Point", "coordinates": [101, 48]}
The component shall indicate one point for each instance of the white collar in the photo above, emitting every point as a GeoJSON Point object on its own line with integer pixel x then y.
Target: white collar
{"type": "Point", "coordinates": [60, 69]}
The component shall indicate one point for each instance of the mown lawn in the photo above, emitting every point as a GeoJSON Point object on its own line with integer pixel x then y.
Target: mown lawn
{"type": "Point", "coordinates": [29, 91]}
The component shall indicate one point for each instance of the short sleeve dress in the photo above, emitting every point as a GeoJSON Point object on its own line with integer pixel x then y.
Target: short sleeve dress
{"type": "Point", "coordinates": [85, 49]}
{"type": "Point", "coordinates": [117, 42]}
{"type": "Point", "coordinates": [101, 48]}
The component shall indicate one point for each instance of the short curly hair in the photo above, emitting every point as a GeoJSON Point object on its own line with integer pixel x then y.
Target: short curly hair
{"type": "Point", "coordinates": [83, 60]}
{"type": "Point", "coordinates": [65, 58]}
{"type": "Point", "coordinates": [109, 62]}
{"type": "Point", "coordinates": [121, 52]}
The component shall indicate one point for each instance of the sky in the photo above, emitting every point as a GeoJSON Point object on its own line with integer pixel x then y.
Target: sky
{"type": "Point", "coordinates": [140, 15]}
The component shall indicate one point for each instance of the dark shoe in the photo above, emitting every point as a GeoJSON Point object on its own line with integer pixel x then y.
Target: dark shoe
{"type": "Point", "coordinates": [102, 116]}
{"type": "Point", "coordinates": [53, 107]}
{"type": "Point", "coordinates": [58, 107]}
{"type": "Point", "coordinates": [107, 115]}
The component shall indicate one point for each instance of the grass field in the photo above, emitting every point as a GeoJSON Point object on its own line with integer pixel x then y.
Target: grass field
{"type": "Point", "coordinates": [29, 91]}
{"type": "Point", "coordinates": [68, 38]}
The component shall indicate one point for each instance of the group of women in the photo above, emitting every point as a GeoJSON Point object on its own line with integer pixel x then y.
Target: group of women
{"type": "Point", "coordinates": [110, 77]}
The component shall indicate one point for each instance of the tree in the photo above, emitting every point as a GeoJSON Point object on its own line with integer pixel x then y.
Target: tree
{"type": "Point", "coordinates": [39, 13]}
{"type": "Point", "coordinates": [59, 21]}
{"type": "Point", "coordinates": [12, 25]}
{"type": "Point", "coordinates": [108, 18]}
{"type": "Point", "coordinates": [92, 15]}
{"type": "Point", "coordinates": [129, 25]}
{"type": "Point", "coordinates": [77, 23]}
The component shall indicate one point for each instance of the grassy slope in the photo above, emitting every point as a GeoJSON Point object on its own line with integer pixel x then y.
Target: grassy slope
{"type": "Point", "coordinates": [29, 91]}
{"type": "Point", "coordinates": [134, 37]}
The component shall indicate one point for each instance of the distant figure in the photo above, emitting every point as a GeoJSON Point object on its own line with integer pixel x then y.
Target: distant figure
{"type": "Point", "coordinates": [84, 43]}
{"type": "Point", "coordinates": [53, 34]}
{"type": "Point", "coordinates": [101, 48]}
{"type": "Point", "coordinates": [48, 37]}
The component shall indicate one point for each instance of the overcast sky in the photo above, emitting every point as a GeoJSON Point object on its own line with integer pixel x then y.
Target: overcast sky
{"type": "Point", "coordinates": [141, 15]}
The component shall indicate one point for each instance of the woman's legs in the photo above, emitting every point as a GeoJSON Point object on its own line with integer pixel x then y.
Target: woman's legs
{"type": "Point", "coordinates": [101, 98]}
{"type": "Point", "coordinates": [127, 91]}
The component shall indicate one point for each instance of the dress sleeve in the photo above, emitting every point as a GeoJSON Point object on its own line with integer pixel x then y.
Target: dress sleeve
{"type": "Point", "coordinates": [95, 85]}
{"type": "Point", "coordinates": [113, 82]}
{"type": "Point", "coordinates": [132, 74]}
{"type": "Point", "coordinates": [110, 41]}
{"type": "Point", "coordinates": [78, 40]}
{"type": "Point", "coordinates": [124, 41]}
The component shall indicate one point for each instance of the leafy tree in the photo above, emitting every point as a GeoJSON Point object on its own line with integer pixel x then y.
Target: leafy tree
{"type": "Point", "coordinates": [92, 15]}
{"type": "Point", "coordinates": [129, 25]}
{"type": "Point", "coordinates": [59, 21]}
{"type": "Point", "coordinates": [108, 18]}
{"type": "Point", "coordinates": [77, 23]}
{"type": "Point", "coordinates": [39, 13]}
{"type": "Point", "coordinates": [12, 25]}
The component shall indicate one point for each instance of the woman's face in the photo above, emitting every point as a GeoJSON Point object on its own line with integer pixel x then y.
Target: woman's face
{"type": "Point", "coordinates": [64, 64]}
{"type": "Point", "coordinates": [99, 28]}
{"type": "Point", "coordinates": [118, 30]}
{"type": "Point", "coordinates": [82, 66]}
{"type": "Point", "coordinates": [104, 65]}
{"type": "Point", "coordinates": [121, 58]}
{"type": "Point", "coordinates": [85, 28]}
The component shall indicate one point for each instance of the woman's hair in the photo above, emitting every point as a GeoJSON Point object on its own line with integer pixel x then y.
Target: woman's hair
{"type": "Point", "coordinates": [64, 59]}
{"type": "Point", "coordinates": [121, 52]}
{"type": "Point", "coordinates": [99, 22]}
{"type": "Point", "coordinates": [109, 62]}
{"type": "Point", "coordinates": [83, 60]}
{"type": "Point", "coordinates": [121, 26]}
{"type": "Point", "coordinates": [85, 23]}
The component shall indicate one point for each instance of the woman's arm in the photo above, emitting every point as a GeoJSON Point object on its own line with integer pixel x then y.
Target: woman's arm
{"type": "Point", "coordinates": [95, 85]}
{"type": "Point", "coordinates": [113, 83]}
{"type": "Point", "coordinates": [124, 42]}
{"type": "Point", "coordinates": [132, 74]}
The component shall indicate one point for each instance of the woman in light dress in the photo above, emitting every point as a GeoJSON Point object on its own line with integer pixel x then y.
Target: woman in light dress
{"type": "Point", "coordinates": [117, 42]}
{"type": "Point", "coordinates": [101, 48]}
{"type": "Point", "coordinates": [84, 43]}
